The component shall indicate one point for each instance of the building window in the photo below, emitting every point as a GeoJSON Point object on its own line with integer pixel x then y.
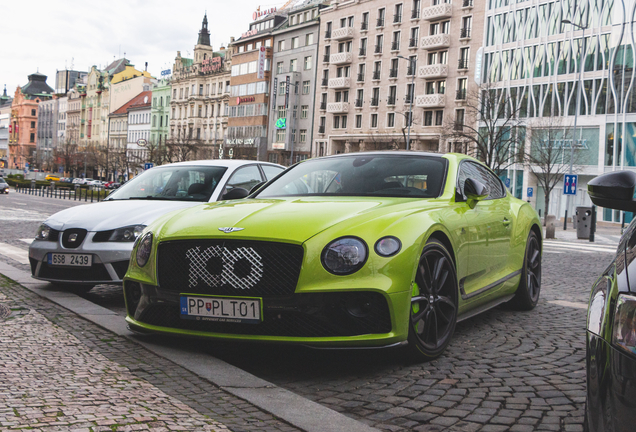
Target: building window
{"type": "Point", "coordinates": [336, 122]}
{"type": "Point", "coordinates": [428, 118]}
{"type": "Point", "coordinates": [303, 135]}
{"type": "Point", "coordinates": [32, 112]}
{"type": "Point", "coordinates": [273, 158]}
{"type": "Point", "coordinates": [305, 87]}
{"type": "Point", "coordinates": [279, 67]}
{"type": "Point", "coordinates": [32, 138]}
{"type": "Point", "coordinates": [390, 120]}
{"type": "Point", "coordinates": [308, 63]}
{"type": "Point", "coordinates": [281, 45]}
{"type": "Point", "coordinates": [281, 88]}
{"type": "Point", "coordinates": [32, 124]}
{"type": "Point", "coordinates": [309, 39]}
{"type": "Point", "coordinates": [304, 111]}
{"type": "Point", "coordinates": [374, 120]}
{"type": "Point", "coordinates": [358, 121]}
{"type": "Point", "coordinates": [294, 42]}
{"type": "Point", "coordinates": [292, 65]}
{"type": "Point", "coordinates": [439, 117]}
{"type": "Point", "coordinates": [282, 111]}
{"type": "Point", "coordinates": [280, 135]}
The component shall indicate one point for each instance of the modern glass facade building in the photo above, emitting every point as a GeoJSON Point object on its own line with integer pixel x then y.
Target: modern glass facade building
{"type": "Point", "coordinates": [538, 62]}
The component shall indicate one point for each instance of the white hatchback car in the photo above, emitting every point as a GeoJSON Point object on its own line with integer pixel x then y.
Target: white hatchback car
{"type": "Point", "coordinates": [91, 244]}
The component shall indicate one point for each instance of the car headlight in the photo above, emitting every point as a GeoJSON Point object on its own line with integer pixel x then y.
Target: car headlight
{"type": "Point", "coordinates": [388, 246]}
{"type": "Point", "coordinates": [344, 256]}
{"type": "Point", "coordinates": [126, 234]}
{"type": "Point", "coordinates": [624, 329]}
{"type": "Point", "coordinates": [43, 232]}
{"type": "Point", "coordinates": [143, 249]}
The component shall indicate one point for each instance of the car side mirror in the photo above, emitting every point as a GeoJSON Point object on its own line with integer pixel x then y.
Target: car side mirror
{"type": "Point", "coordinates": [614, 190]}
{"type": "Point", "coordinates": [475, 190]}
{"type": "Point", "coordinates": [256, 187]}
{"type": "Point", "coordinates": [235, 193]}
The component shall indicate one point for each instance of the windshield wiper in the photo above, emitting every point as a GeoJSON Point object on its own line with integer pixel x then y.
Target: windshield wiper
{"type": "Point", "coordinates": [150, 197]}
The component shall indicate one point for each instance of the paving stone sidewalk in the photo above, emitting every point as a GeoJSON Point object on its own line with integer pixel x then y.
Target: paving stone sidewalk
{"type": "Point", "coordinates": [59, 372]}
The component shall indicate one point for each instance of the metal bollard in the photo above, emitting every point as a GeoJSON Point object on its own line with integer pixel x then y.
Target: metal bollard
{"type": "Point", "coordinates": [550, 222]}
{"type": "Point", "coordinates": [593, 224]}
{"type": "Point", "coordinates": [565, 221]}
{"type": "Point", "coordinates": [92, 193]}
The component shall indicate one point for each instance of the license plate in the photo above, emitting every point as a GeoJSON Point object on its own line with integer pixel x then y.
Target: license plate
{"type": "Point", "coordinates": [72, 260]}
{"type": "Point", "coordinates": [221, 309]}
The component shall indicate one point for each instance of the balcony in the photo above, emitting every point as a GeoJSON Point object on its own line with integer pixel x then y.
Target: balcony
{"type": "Point", "coordinates": [467, 4]}
{"type": "Point", "coordinates": [395, 46]}
{"type": "Point", "coordinates": [358, 103]}
{"type": "Point", "coordinates": [325, 58]}
{"type": "Point", "coordinates": [432, 71]}
{"type": "Point", "coordinates": [430, 101]}
{"type": "Point", "coordinates": [340, 82]}
{"type": "Point", "coordinates": [436, 41]}
{"type": "Point", "coordinates": [415, 14]}
{"type": "Point", "coordinates": [343, 33]}
{"type": "Point", "coordinates": [462, 64]}
{"type": "Point", "coordinates": [378, 49]}
{"type": "Point", "coordinates": [362, 52]}
{"type": "Point", "coordinates": [338, 107]}
{"type": "Point", "coordinates": [341, 58]}
{"type": "Point", "coordinates": [324, 82]}
{"type": "Point", "coordinates": [364, 26]}
{"type": "Point", "coordinates": [443, 10]}
{"type": "Point", "coordinates": [327, 34]}
{"type": "Point", "coordinates": [380, 22]}
{"type": "Point", "coordinates": [323, 106]}
{"type": "Point", "coordinates": [321, 129]}
{"type": "Point", "coordinates": [375, 102]}
{"type": "Point", "coordinates": [360, 77]}
{"type": "Point", "coordinates": [397, 18]}
{"type": "Point", "coordinates": [464, 33]}
{"type": "Point", "coordinates": [393, 73]}
{"type": "Point", "coordinates": [460, 95]}
{"type": "Point", "coordinates": [376, 75]}
{"type": "Point", "coordinates": [390, 100]}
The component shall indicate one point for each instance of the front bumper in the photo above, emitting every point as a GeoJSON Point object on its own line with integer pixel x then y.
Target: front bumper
{"type": "Point", "coordinates": [322, 319]}
{"type": "Point", "coordinates": [109, 261]}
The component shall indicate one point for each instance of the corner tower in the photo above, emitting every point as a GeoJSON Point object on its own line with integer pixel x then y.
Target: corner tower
{"type": "Point", "coordinates": [203, 50]}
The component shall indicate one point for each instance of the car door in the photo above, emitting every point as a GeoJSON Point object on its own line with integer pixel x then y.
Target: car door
{"type": "Point", "coordinates": [245, 177]}
{"type": "Point", "coordinates": [489, 226]}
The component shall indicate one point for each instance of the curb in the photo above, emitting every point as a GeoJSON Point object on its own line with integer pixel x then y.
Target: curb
{"type": "Point", "coordinates": [284, 404]}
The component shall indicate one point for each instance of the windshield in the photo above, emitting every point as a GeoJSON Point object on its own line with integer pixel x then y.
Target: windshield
{"type": "Point", "coordinates": [372, 175]}
{"type": "Point", "coordinates": [175, 183]}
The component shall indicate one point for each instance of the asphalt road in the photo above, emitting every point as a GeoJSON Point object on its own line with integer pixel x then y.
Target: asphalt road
{"type": "Point", "coordinates": [504, 370]}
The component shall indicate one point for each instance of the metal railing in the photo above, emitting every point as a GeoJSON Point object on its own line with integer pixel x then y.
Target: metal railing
{"type": "Point", "coordinates": [413, 43]}
{"type": "Point", "coordinates": [323, 105]}
{"type": "Point", "coordinates": [364, 25]}
{"type": "Point", "coordinates": [378, 49]}
{"type": "Point", "coordinates": [397, 18]}
{"type": "Point", "coordinates": [410, 71]}
{"type": "Point", "coordinates": [360, 77]}
{"type": "Point", "coordinates": [393, 73]}
{"type": "Point", "coordinates": [460, 94]}
{"type": "Point", "coordinates": [375, 101]}
{"type": "Point", "coordinates": [376, 75]}
{"type": "Point", "coordinates": [395, 46]}
{"type": "Point", "coordinates": [327, 34]}
{"type": "Point", "coordinates": [362, 52]}
{"type": "Point", "coordinates": [462, 63]}
{"type": "Point", "coordinates": [467, 3]}
{"type": "Point", "coordinates": [76, 193]}
{"type": "Point", "coordinates": [390, 100]}
{"type": "Point", "coordinates": [380, 22]}
{"type": "Point", "coordinates": [321, 129]}
{"type": "Point", "coordinates": [325, 82]}
{"type": "Point", "coordinates": [358, 103]}
{"type": "Point", "coordinates": [464, 32]}
{"type": "Point", "coordinates": [415, 14]}
{"type": "Point", "coordinates": [325, 58]}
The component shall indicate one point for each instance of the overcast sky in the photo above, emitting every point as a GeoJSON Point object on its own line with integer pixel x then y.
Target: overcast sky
{"type": "Point", "coordinates": [50, 35]}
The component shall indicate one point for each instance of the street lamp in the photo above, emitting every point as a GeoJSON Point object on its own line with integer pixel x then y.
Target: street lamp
{"type": "Point", "coordinates": [411, 96]}
{"type": "Point", "coordinates": [576, 113]}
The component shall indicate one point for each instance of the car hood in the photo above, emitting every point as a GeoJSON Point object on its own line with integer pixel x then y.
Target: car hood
{"type": "Point", "coordinates": [108, 215]}
{"type": "Point", "coordinates": [292, 220]}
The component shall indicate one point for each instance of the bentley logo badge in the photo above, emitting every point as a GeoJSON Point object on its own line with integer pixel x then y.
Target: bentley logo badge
{"type": "Point", "coordinates": [72, 238]}
{"type": "Point", "coordinates": [228, 230]}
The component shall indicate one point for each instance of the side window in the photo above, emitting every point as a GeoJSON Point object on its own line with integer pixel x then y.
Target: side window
{"type": "Point", "coordinates": [246, 178]}
{"type": "Point", "coordinates": [271, 171]}
{"type": "Point", "coordinates": [477, 172]}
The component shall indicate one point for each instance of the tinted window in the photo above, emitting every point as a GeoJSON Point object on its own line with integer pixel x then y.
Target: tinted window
{"type": "Point", "coordinates": [271, 171]}
{"type": "Point", "coordinates": [246, 178]}
{"type": "Point", "coordinates": [369, 175]}
{"type": "Point", "coordinates": [481, 174]}
{"type": "Point", "coordinates": [180, 183]}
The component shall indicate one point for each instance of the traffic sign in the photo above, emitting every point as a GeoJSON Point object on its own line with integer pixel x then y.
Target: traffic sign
{"type": "Point", "coordinates": [530, 192]}
{"type": "Point", "coordinates": [148, 165]}
{"type": "Point", "coordinates": [569, 184]}
{"type": "Point", "coordinates": [142, 142]}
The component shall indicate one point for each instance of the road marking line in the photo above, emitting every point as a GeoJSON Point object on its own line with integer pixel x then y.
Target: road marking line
{"type": "Point", "coordinates": [569, 304]}
{"type": "Point", "coordinates": [27, 241]}
{"type": "Point", "coordinates": [15, 253]}
{"type": "Point", "coordinates": [579, 247]}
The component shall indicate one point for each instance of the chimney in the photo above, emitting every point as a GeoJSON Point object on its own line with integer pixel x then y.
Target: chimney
{"type": "Point", "coordinates": [146, 70]}
{"type": "Point", "coordinates": [231, 39]}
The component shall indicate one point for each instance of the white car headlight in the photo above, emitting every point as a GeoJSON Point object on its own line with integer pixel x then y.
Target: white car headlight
{"type": "Point", "coordinates": [43, 232]}
{"type": "Point", "coordinates": [143, 249]}
{"type": "Point", "coordinates": [344, 256]}
{"type": "Point", "coordinates": [388, 246]}
{"type": "Point", "coordinates": [624, 329]}
{"type": "Point", "coordinates": [126, 234]}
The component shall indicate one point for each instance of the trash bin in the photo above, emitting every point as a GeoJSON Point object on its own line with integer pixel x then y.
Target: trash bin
{"type": "Point", "coordinates": [574, 218]}
{"type": "Point", "coordinates": [583, 222]}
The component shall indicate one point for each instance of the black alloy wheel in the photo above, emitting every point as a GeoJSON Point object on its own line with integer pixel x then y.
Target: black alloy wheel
{"type": "Point", "coordinates": [527, 295]}
{"type": "Point", "coordinates": [434, 308]}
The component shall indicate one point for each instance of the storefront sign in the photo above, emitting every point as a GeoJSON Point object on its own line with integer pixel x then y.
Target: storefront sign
{"type": "Point", "coordinates": [274, 93]}
{"type": "Point", "coordinates": [240, 100]}
{"type": "Point", "coordinates": [260, 13]}
{"type": "Point", "coordinates": [287, 92]}
{"type": "Point", "coordinates": [281, 123]}
{"type": "Point", "coordinates": [249, 33]}
{"type": "Point", "coordinates": [278, 146]}
{"type": "Point", "coordinates": [564, 143]}
{"type": "Point", "coordinates": [212, 65]}
{"type": "Point", "coordinates": [166, 72]}
{"type": "Point", "coordinates": [241, 141]}
{"type": "Point", "coordinates": [261, 63]}
{"type": "Point", "coordinates": [478, 65]}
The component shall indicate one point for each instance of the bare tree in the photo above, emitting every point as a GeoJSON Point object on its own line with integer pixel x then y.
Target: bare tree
{"type": "Point", "coordinates": [66, 154]}
{"type": "Point", "coordinates": [548, 156]}
{"type": "Point", "coordinates": [490, 127]}
{"type": "Point", "coordinates": [182, 149]}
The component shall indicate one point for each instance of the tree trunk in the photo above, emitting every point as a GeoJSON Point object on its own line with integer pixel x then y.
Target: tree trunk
{"type": "Point", "coordinates": [547, 204]}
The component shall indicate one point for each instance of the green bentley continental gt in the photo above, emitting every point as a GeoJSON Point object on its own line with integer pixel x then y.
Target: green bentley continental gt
{"type": "Point", "coordinates": [356, 250]}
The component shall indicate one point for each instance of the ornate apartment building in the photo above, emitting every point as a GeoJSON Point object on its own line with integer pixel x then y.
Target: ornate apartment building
{"type": "Point", "coordinates": [380, 60]}
{"type": "Point", "coordinates": [200, 96]}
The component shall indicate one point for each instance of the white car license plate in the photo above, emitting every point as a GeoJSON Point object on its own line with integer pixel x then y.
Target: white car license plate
{"type": "Point", "coordinates": [72, 260]}
{"type": "Point", "coordinates": [221, 309]}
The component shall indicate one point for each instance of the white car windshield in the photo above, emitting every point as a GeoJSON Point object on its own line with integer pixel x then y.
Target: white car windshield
{"type": "Point", "coordinates": [174, 183]}
{"type": "Point", "coordinates": [362, 175]}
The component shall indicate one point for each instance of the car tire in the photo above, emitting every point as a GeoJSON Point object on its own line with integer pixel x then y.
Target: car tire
{"type": "Point", "coordinates": [433, 308]}
{"type": "Point", "coordinates": [529, 289]}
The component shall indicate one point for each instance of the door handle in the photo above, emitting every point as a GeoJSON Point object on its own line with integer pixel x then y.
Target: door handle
{"type": "Point", "coordinates": [506, 221]}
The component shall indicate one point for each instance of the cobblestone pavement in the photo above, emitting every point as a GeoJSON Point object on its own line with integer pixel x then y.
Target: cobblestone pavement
{"type": "Point", "coordinates": [59, 372]}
